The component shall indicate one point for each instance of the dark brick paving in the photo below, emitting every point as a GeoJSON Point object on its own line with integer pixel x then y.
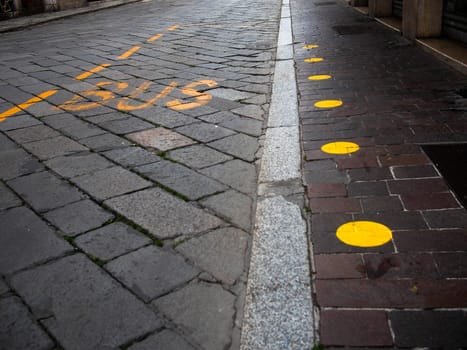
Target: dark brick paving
{"type": "Point", "coordinates": [127, 196]}
{"type": "Point", "coordinates": [412, 291]}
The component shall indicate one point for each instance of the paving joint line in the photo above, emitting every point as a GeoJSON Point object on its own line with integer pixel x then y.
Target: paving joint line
{"type": "Point", "coordinates": [278, 305]}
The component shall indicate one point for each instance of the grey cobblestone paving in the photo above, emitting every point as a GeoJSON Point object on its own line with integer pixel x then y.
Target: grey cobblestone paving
{"type": "Point", "coordinates": [128, 174]}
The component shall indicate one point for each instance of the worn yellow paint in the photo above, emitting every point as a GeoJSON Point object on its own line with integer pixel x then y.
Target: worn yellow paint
{"type": "Point", "coordinates": [340, 147]}
{"type": "Point", "coordinates": [171, 28]}
{"type": "Point", "coordinates": [27, 104]}
{"type": "Point", "coordinates": [78, 103]}
{"type": "Point", "coordinates": [154, 38]}
{"type": "Point", "coordinates": [313, 59]}
{"type": "Point", "coordinates": [311, 46]}
{"type": "Point", "coordinates": [97, 97]}
{"type": "Point", "coordinates": [201, 97]}
{"type": "Point", "coordinates": [319, 77]}
{"type": "Point", "coordinates": [328, 104]}
{"type": "Point", "coordinates": [124, 103]}
{"type": "Point", "coordinates": [92, 71]}
{"type": "Point", "coordinates": [129, 52]}
{"type": "Point", "coordinates": [364, 234]}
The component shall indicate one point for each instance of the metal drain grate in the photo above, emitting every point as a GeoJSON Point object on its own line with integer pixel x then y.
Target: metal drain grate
{"type": "Point", "coordinates": [451, 161]}
{"type": "Point", "coordinates": [325, 3]}
{"type": "Point", "coordinates": [462, 92]}
{"type": "Point", "coordinates": [351, 29]}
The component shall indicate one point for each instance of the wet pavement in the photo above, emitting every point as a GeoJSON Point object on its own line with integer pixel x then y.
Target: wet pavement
{"type": "Point", "coordinates": [131, 141]}
{"type": "Point", "coordinates": [403, 284]}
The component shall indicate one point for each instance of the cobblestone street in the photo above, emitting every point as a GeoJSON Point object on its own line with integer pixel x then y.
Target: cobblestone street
{"type": "Point", "coordinates": [129, 183]}
{"type": "Point", "coordinates": [407, 287]}
{"type": "Point", "coordinates": [228, 175]}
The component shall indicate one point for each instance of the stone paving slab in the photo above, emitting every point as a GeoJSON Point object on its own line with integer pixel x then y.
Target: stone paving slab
{"type": "Point", "coordinates": [198, 156]}
{"type": "Point", "coordinates": [27, 241]}
{"type": "Point", "coordinates": [394, 97]}
{"type": "Point", "coordinates": [111, 241]}
{"type": "Point", "coordinates": [181, 179]}
{"type": "Point", "coordinates": [110, 182]}
{"type": "Point", "coordinates": [163, 215]}
{"type": "Point", "coordinates": [238, 174]}
{"type": "Point", "coordinates": [18, 331]}
{"type": "Point", "coordinates": [16, 162]}
{"type": "Point", "coordinates": [44, 191]}
{"type": "Point", "coordinates": [78, 164]}
{"type": "Point", "coordinates": [221, 252]}
{"type": "Point", "coordinates": [78, 217]}
{"type": "Point", "coordinates": [7, 198]}
{"type": "Point", "coordinates": [167, 271]}
{"type": "Point", "coordinates": [58, 289]}
{"type": "Point", "coordinates": [165, 340]}
{"type": "Point", "coordinates": [203, 301]}
{"type": "Point", "coordinates": [234, 206]}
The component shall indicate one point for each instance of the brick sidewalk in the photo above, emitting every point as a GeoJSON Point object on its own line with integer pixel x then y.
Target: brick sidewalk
{"type": "Point", "coordinates": [410, 291]}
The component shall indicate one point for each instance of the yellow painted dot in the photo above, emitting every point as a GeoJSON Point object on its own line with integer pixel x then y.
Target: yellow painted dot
{"type": "Point", "coordinates": [364, 234]}
{"type": "Point", "coordinates": [319, 77]}
{"type": "Point", "coordinates": [313, 59]}
{"type": "Point", "coordinates": [311, 46]}
{"type": "Point", "coordinates": [328, 103]}
{"type": "Point", "coordinates": [340, 147]}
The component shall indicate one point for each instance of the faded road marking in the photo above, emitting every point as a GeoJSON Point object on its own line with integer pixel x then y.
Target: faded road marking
{"type": "Point", "coordinates": [154, 38]}
{"type": "Point", "coordinates": [129, 52]}
{"type": "Point", "coordinates": [27, 104]}
{"type": "Point", "coordinates": [92, 71]}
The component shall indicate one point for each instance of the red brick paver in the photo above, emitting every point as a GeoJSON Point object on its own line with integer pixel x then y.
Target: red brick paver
{"type": "Point", "coordinates": [410, 292]}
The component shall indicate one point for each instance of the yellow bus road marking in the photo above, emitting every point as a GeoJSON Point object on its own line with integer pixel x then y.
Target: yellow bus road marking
{"type": "Point", "coordinates": [129, 52]}
{"type": "Point", "coordinates": [27, 104]}
{"type": "Point", "coordinates": [171, 28]}
{"type": "Point", "coordinates": [92, 71]}
{"type": "Point", "coordinates": [154, 38]}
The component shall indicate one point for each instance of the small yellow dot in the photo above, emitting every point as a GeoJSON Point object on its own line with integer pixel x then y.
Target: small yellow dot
{"type": "Point", "coordinates": [319, 77]}
{"type": "Point", "coordinates": [340, 147]}
{"type": "Point", "coordinates": [364, 234]}
{"type": "Point", "coordinates": [313, 59]}
{"type": "Point", "coordinates": [328, 103]}
{"type": "Point", "coordinates": [311, 46]}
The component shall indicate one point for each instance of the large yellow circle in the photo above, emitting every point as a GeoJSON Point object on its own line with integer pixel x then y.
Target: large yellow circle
{"type": "Point", "coordinates": [340, 147]}
{"type": "Point", "coordinates": [364, 234]}
{"type": "Point", "coordinates": [329, 103]}
{"type": "Point", "coordinates": [319, 77]}
{"type": "Point", "coordinates": [311, 46]}
{"type": "Point", "coordinates": [313, 59]}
